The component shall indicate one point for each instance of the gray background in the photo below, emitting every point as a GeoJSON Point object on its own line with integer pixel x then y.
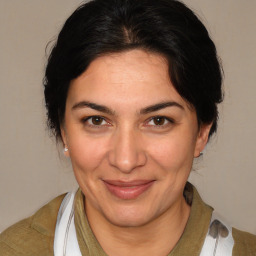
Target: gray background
{"type": "Point", "coordinates": [33, 170]}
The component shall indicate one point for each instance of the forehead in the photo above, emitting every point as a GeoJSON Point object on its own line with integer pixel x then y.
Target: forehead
{"type": "Point", "coordinates": [132, 78]}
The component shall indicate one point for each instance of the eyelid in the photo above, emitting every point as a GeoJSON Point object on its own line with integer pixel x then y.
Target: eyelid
{"type": "Point", "coordinates": [85, 120]}
{"type": "Point", "coordinates": [170, 121]}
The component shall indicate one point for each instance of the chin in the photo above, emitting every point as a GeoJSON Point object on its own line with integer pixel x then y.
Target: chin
{"type": "Point", "coordinates": [129, 217]}
{"type": "Point", "coordinates": [128, 222]}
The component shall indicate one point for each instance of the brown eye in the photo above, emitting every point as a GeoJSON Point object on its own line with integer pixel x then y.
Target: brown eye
{"type": "Point", "coordinates": [96, 120]}
{"type": "Point", "coordinates": [159, 120]}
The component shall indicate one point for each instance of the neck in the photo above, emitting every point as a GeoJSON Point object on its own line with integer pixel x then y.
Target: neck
{"type": "Point", "coordinates": [157, 237]}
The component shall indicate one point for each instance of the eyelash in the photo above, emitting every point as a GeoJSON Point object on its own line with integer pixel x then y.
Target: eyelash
{"type": "Point", "coordinates": [85, 120]}
{"type": "Point", "coordinates": [166, 119]}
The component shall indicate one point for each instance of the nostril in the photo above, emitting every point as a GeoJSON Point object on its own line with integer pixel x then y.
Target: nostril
{"type": "Point", "coordinates": [127, 161]}
{"type": "Point", "coordinates": [127, 152]}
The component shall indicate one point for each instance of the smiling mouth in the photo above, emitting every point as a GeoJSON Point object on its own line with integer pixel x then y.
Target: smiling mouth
{"type": "Point", "coordinates": [128, 190]}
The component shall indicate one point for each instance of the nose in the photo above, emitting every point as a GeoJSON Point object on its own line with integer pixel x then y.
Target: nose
{"type": "Point", "coordinates": [127, 152]}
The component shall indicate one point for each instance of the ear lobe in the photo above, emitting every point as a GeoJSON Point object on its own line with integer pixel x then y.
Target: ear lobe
{"type": "Point", "coordinates": [64, 140]}
{"type": "Point", "coordinates": [202, 138]}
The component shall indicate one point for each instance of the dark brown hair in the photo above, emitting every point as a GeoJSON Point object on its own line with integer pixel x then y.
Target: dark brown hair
{"type": "Point", "coordinates": [166, 27]}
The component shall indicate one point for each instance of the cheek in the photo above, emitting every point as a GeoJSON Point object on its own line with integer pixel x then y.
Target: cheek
{"type": "Point", "coordinates": [174, 152]}
{"type": "Point", "coordinates": [86, 154]}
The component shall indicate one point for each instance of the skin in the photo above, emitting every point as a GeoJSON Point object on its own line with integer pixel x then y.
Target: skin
{"type": "Point", "coordinates": [128, 143]}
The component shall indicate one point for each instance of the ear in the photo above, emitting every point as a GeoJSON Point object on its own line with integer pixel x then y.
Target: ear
{"type": "Point", "coordinates": [64, 140]}
{"type": "Point", "coordinates": [202, 138]}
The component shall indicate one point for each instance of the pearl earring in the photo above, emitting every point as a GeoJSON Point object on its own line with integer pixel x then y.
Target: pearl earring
{"type": "Point", "coordinates": [65, 149]}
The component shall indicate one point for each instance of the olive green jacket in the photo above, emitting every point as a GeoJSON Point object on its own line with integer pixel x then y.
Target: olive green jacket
{"type": "Point", "coordinates": [34, 236]}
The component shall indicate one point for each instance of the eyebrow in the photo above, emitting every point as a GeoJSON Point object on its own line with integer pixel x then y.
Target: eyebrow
{"type": "Point", "coordinates": [100, 108]}
{"type": "Point", "coordinates": [160, 106]}
{"type": "Point", "coordinates": [104, 109]}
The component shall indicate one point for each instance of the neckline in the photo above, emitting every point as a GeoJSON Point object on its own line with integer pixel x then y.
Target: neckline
{"type": "Point", "coordinates": [191, 240]}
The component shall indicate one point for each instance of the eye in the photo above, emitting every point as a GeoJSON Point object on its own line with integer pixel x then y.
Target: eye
{"type": "Point", "coordinates": [159, 121]}
{"type": "Point", "coordinates": [95, 121]}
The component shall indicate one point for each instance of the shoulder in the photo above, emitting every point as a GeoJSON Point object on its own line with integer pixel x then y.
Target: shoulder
{"type": "Point", "coordinates": [34, 235]}
{"type": "Point", "coordinates": [244, 243]}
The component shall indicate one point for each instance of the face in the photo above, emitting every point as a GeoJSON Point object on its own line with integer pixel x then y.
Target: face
{"type": "Point", "coordinates": [131, 137]}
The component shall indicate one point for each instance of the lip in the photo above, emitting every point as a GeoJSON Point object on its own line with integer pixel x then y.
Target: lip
{"type": "Point", "coordinates": [128, 190]}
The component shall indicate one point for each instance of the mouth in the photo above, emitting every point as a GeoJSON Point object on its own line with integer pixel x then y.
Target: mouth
{"type": "Point", "coordinates": [128, 190]}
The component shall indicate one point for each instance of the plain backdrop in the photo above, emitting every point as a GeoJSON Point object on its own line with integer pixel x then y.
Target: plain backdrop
{"type": "Point", "coordinates": [33, 170]}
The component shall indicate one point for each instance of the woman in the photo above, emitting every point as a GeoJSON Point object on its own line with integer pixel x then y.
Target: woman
{"type": "Point", "coordinates": [131, 90]}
